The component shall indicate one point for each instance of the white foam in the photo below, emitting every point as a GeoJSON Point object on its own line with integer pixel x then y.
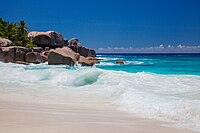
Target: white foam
{"type": "Point", "coordinates": [169, 98]}
{"type": "Point", "coordinates": [106, 64]}
{"type": "Point", "coordinates": [111, 59]}
{"type": "Point", "coordinates": [134, 62]}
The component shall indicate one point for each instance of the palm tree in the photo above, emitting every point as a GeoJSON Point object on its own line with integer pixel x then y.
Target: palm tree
{"type": "Point", "coordinates": [23, 33]}
{"type": "Point", "coordinates": [12, 32]}
{"type": "Point", "coordinates": [8, 30]}
{"type": "Point", "coordinates": [3, 28]}
{"type": "Point", "coordinates": [16, 32]}
{"type": "Point", "coordinates": [22, 27]}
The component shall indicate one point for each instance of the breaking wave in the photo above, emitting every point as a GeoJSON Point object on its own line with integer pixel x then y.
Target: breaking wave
{"type": "Point", "coordinates": [171, 98]}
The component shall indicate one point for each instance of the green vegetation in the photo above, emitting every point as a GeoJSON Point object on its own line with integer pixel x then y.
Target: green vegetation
{"type": "Point", "coordinates": [30, 45]}
{"type": "Point", "coordinates": [16, 32]}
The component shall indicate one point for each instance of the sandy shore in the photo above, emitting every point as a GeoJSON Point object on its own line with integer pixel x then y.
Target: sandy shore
{"type": "Point", "coordinates": [74, 114]}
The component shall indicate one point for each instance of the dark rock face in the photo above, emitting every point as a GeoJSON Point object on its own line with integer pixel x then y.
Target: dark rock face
{"type": "Point", "coordinates": [66, 42]}
{"type": "Point", "coordinates": [62, 56]}
{"type": "Point", "coordinates": [13, 54]}
{"type": "Point", "coordinates": [57, 59]}
{"type": "Point", "coordinates": [20, 53]}
{"type": "Point", "coordinates": [44, 56]}
{"type": "Point", "coordinates": [50, 39]}
{"type": "Point", "coordinates": [83, 51]}
{"type": "Point", "coordinates": [43, 40]}
{"type": "Point", "coordinates": [34, 57]}
{"type": "Point", "coordinates": [91, 53]}
{"type": "Point", "coordinates": [119, 62]}
{"type": "Point", "coordinates": [7, 54]}
{"type": "Point", "coordinates": [57, 39]}
{"type": "Point", "coordinates": [2, 55]}
{"type": "Point", "coordinates": [10, 55]}
{"type": "Point", "coordinates": [78, 48]}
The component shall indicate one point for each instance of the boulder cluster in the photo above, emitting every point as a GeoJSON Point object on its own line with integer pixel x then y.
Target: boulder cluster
{"type": "Point", "coordinates": [51, 47]}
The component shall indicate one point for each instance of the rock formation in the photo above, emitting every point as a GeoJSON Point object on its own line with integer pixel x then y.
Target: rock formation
{"type": "Point", "coordinates": [119, 62]}
{"type": "Point", "coordinates": [20, 53]}
{"type": "Point", "coordinates": [37, 49]}
{"type": "Point", "coordinates": [7, 54]}
{"type": "Point", "coordinates": [34, 57]}
{"type": "Point", "coordinates": [50, 39]}
{"type": "Point", "coordinates": [62, 56]}
{"type": "Point", "coordinates": [5, 42]}
{"type": "Point", "coordinates": [44, 56]}
{"type": "Point", "coordinates": [78, 48]}
{"type": "Point", "coordinates": [52, 47]}
{"type": "Point", "coordinates": [86, 62]}
{"type": "Point", "coordinates": [16, 54]}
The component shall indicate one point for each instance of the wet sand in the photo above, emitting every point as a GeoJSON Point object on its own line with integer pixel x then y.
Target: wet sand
{"type": "Point", "coordinates": [21, 113]}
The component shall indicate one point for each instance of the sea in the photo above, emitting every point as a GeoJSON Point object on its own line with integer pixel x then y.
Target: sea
{"type": "Point", "coordinates": [164, 87]}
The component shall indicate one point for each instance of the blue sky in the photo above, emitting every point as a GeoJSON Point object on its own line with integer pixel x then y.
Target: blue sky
{"type": "Point", "coordinates": [106, 23]}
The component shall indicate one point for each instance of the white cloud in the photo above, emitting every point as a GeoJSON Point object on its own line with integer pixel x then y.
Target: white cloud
{"type": "Point", "coordinates": [161, 46]}
{"type": "Point", "coordinates": [157, 49]}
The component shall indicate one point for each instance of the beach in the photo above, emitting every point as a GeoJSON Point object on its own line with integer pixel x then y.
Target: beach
{"type": "Point", "coordinates": [73, 114]}
{"type": "Point", "coordinates": [120, 66]}
{"type": "Point", "coordinates": [149, 93]}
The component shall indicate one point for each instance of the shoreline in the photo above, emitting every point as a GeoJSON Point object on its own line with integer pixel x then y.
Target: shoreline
{"type": "Point", "coordinates": [21, 113]}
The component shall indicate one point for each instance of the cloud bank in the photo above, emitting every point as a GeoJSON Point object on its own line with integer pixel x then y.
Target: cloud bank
{"type": "Point", "coordinates": [156, 49]}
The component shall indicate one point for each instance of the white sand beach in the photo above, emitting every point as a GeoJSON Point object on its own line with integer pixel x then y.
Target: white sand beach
{"type": "Point", "coordinates": [81, 66]}
{"type": "Point", "coordinates": [21, 113]}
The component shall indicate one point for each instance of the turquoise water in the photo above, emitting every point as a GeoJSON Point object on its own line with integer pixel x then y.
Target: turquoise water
{"type": "Point", "coordinates": [164, 87]}
{"type": "Point", "coordinates": [155, 63]}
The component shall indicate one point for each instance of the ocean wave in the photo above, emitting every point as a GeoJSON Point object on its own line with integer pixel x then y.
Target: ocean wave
{"type": "Point", "coordinates": [171, 98]}
{"type": "Point", "coordinates": [134, 62]}
{"type": "Point", "coordinates": [112, 59]}
{"type": "Point", "coordinates": [106, 64]}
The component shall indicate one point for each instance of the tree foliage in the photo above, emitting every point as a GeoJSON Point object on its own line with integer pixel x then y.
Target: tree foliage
{"type": "Point", "coordinates": [16, 32]}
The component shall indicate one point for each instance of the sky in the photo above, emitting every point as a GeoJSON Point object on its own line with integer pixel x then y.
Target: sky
{"type": "Point", "coordinates": [112, 23]}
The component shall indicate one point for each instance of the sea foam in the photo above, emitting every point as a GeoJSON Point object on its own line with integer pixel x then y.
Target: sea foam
{"type": "Point", "coordinates": [170, 98]}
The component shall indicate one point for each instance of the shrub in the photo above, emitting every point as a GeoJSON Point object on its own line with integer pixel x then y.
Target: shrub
{"type": "Point", "coordinates": [18, 43]}
{"type": "Point", "coordinates": [30, 45]}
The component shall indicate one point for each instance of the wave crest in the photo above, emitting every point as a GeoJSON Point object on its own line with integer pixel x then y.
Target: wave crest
{"type": "Point", "coordinates": [173, 98]}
